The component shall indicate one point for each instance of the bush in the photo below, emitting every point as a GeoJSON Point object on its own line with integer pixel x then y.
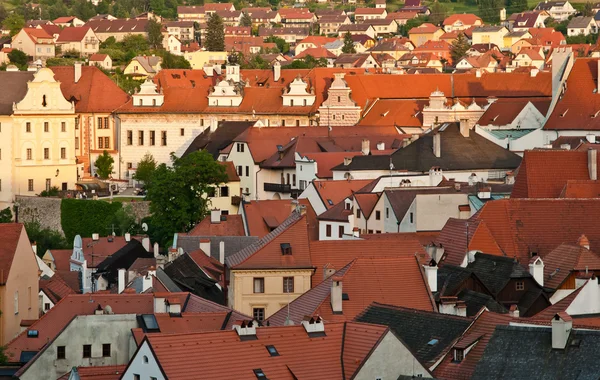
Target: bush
{"type": "Point", "coordinates": [53, 192]}
{"type": "Point", "coordinates": [85, 217]}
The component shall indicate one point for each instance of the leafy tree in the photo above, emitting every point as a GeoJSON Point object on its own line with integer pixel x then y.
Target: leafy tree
{"type": "Point", "coordinates": [3, 12]}
{"type": "Point", "coordinates": [412, 23]}
{"type": "Point", "coordinates": [14, 22]}
{"type": "Point", "coordinates": [283, 46]}
{"type": "Point", "coordinates": [348, 44]}
{"type": "Point", "coordinates": [3, 357]}
{"type": "Point", "coordinates": [172, 61]}
{"type": "Point", "coordinates": [177, 194]}
{"type": "Point", "coordinates": [489, 10]}
{"type": "Point", "coordinates": [134, 44]}
{"type": "Point", "coordinates": [246, 20]}
{"type": "Point", "coordinates": [588, 9]}
{"type": "Point", "coordinates": [18, 58]}
{"type": "Point", "coordinates": [45, 238]}
{"type": "Point", "coordinates": [125, 221]}
{"type": "Point", "coordinates": [104, 165]}
{"type": "Point", "coordinates": [516, 6]}
{"type": "Point", "coordinates": [215, 33]}
{"type": "Point", "coordinates": [6, 215]}
{"type": "Point", "coordinates": [145, 168]}
{"type": "Point", "coordinates": [83, 9]}
{"type": "Point", "coordinates": [307, 62]}
{"type": "Point", "coordinates": [53, 192]}
{"type": "Point", "coordinates": [155, 36]}
{"type": "Point", "coordinates": [459, 48]}
{"type": "Point", "coordinates": [438, 13]}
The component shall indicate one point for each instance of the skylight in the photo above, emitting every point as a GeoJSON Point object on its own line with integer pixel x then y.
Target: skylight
{"type": "Point", "coordinates": [272, 351]}
{"type": "Point", "coordinates": [150, 322]}
{"type": "Point", "coordinates": [432, 342]}
{"type": "Point", "coordinates": [32, 333]}
{"type": "Point", "coordinates": [259, 374]}
{"type": "Point", "coordinates": [330, 202]}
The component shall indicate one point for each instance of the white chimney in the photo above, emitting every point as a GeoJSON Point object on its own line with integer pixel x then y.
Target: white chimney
{"type": "Point", "coordinates": [121, 284]}
{"type": "Point", "coordinates": [478, 73]}
{"type": "Point", "coordinates": [365, 147]}
{"type": "Point", "coordinates": [313, 324]}
{"type": "Point", "coordinates": [464, 128]}
{"type": "Point", "coordinates": [336, 295]}
{"type": "Point", "coordinates": [355, 232]}
{"type": "Point", "coordinates": [593, 164]}
{"type": "Point", "coordinates": [214, 124]}
{"type": "Point", "coordinates": [591, 138]}
{"type": "Point", "coordinates": [147, 281]}
{"type": "Point", "coordinates": [562, 324]}
{"type": "Point", "coordinates": [159, 304]}
{"type": "Point", "coordinates": [156, 250]}
{"type": "Point", "coordinates": [95, 237]}
{"type": "Point", "coordinates": [173, 306]}
{"type": "Point", "coordinates": [128, 237]}
{"type": "Point", "coordinates": [245, 328]}
{"type": "Point", "coordinates": [276, 71]}
{"type": "Point", "coordinates": [215, 216]}
{"type": "Point", "coordinates": [208, 70]}
{"type": "Point", "coordinates": [77, 71]}
{"type": "Point", "coordinates": [536, 269]}
{"type": "Point", "coordinates": [514, 311]}
{"type": "Point", "coordinates": [381, 145]}
{"type": "Point", "coordinates": [146, 244]}
{"type": "Point", "coordinates": [437, 145]}
{"type": "Point", "coordinates": [431, 274]}
{"type": "Point", "coordinates": [222, 252]}
{"type": "Point", "coordinates": [205, 246]}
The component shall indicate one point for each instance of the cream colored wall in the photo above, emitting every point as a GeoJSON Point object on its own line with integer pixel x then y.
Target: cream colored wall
{"type": "Point", "coordinates": [23, 278]}
{"type": "Point", "coordinates": [134, 67]}
{"type": "Point", "coordinates": [197, 59]}
{"type": "Point", "coordinates": [24, 43]}
{"type": "Point", "coordinates": [224, 203]}
{"type": "Point", "coordinates": [81, 46]}
{"type": "Point", "coordinates": [243, 299]}
{"type": "Point", "coordinates": [6, 174]}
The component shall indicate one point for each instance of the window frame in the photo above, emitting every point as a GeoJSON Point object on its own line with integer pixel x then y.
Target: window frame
{"type": "Point", "coordinates": [86, 351]}
{"type": "Point", "coordinates": [286, 286]}
{"type": "Point", "coordinates": [261, 282]}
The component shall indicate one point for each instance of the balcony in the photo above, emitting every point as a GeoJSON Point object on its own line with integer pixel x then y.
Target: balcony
{"type": "Point", "coordinates": [278, 188]}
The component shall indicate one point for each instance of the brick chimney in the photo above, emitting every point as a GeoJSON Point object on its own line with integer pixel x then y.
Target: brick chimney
{"type": "Point", "coordinates": [593, 164]}
{"type": "Point", "coordinates": [562, 324]}
{"type": "Point", "coordinates": [336, 295]}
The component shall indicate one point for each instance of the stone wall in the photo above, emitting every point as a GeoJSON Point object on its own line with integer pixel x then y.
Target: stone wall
{"type": "Point", "coordinates": [140, 209]}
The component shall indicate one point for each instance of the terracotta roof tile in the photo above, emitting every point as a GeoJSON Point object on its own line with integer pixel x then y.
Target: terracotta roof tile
{"type": "Point", "coordinates": [55, 288]}
{"type": "Point", "coordinates": [466, 19]}
{"type": "Point", "coordinates": [366, 202]}
{"type": "Point", "coordinates": [111, 372]}
{"type": "Point", "coordinates": [581, 189]}
{"type": "Point", "coordinates": [259, 214]}
{"type": "Point", "coordinates": [565, 259]}
{"type": "Point", "coordinates": [505, 111]}
{"type": "Point", "coordinates": [317, 52]}
{"type": "Point", "coordinates": [233, 225]}
{"type": "Point", "coordinates": [73, 34]}
{"type": "Point", "coordinates": [336, 191]}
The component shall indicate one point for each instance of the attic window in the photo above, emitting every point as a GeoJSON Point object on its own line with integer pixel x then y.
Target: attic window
{"type": "Point", "coordinates": [32, 333]}
{"type": "Point", "coordinates": [272, 351]}
{"type": "Point", "coordinates": [286, 249]}
{"type": "Point", "coordinates": [459, 355]}
{"type": "Point", "coordinates": [259, 374]}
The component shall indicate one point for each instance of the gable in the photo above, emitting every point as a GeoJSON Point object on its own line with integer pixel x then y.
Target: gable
{"type": "Point", "coordinates": [138, 365]}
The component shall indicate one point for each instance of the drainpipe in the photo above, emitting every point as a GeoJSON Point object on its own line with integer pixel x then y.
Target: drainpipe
{"type": "Point", "coordinates": [256, 183]}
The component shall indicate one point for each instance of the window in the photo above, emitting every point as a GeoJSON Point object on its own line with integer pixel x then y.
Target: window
{"type": "Point", "coordinates": [339, 99]}
{"type": "Point", "coordinates": [140, 137]}
{"type": "Point", "coordinates": [30, 184]}
{"type": "Point", "coordinates": [357, 213]}
{"type": "Point", "coordinates": [63, 126]}
{"type": "Point", "coordinates": [272, 351]}
{"type": "Point", "coordinates": [163, 138]}
{"type": "Point", "coordinates": [48, 184]}
{"type": "Point", "coordinates": [129, 138]}
{"type": "Point", "coordinates": [46, 126]}
{"type": "Point", "coordinates": [259, 285]}
{"type": "Point", "coordinates": [28, 127]}
{"type": "Point", "coordinates": [46, 153]}
{"type": "Point", "coordinates": [87, 350]}
{"type": "Point", "coordinates": [240, 170]}
{"type": "Point", "coordinates": [288, 178]}
{"type": "Point", "coordinates": [459, 355]}
{"type": "Point", "coordinates": [76, 142]}
{"type": "Point", "coordinates": [328, 230]}
{"type": "Point", "coordinates": [340, 231]}
{"type": "Point", "coordinates": [286, 248]}
{"type": "Point", "coordinates": [107, 143]}
{"type": "Point", "coordinates": [293, 180]}
{"type": "Point", "coordinates": [412, 217]}
{"type": "Point", "coordinates": [61, 352]}
{"type": "Point", "coordinates": [520, 285]}
{"type": "Point", "coordinates": [64, 186]}
{"type": "Point", "coordinates": [370, 231]}
{"type": "Point", "coordinates": [47, 306]}
{"type": "Point", "coordinates": [288, 284]}
{"type": "Point", "coordinates": [136, 376]}
{"type": "Point", "coordinates": [283, 123]}
{"type": "Point", "coordinates": [106, 123]}
{"type": "Point", "coordinates": [106, 350]}
{"type": "Point", "coordinates": [29, 154]}
{"type": "Point", "coordinates": [259, 374]}
{"type": "Point", "coordinates": [302, 182]}
{"type": "Point", "coordinates": [0, 184]}
{"type": "Point", "coordinates": [16, 302]}
{"type": "Point", "coordinates": [240, 147]}
{"type": "Point", "coordinates": [99, 123]}
{"type": "Point", "coordinates": [152, 138]}
{"type": "Point", "coordinates": [258, 313]}
{"type": "Point", "coordinates": [224, 191]}
{"type": "Point", "coordinates": [145, 359]}
{"type": "Point", "coordinates": [247, 171]}
{"type": "Point", "coordinates": [377, 215]}
{"type": "Point", "coordinates": [182, 132]}
{"type": "Point", "coordinates": [387, 212]}
{"type": "Point", "coordinates": [100, 142]}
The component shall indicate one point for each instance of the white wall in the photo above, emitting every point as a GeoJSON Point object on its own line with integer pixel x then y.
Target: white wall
{"type": "Point", "coordinates": [137, 366]}
{"type": "Point", "coordinates": [587, 301]}
{"type": "Point", "coordinates": [434, 210]}
{"type": "Point", "coordinates": [390, 222]}
{"type": "Point", "coordinates": [334, 229]}
{"type": "Point", "coordinates": [313, 197]}
{"type": "Point", "coordinates": [244, 159]}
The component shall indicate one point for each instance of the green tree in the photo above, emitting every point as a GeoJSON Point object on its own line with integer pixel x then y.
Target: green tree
{"type": "Point", "coordinates": [246, 21]}
{"type": "Point", "coordinates": [459, 48]}
{"type": "Point", "coordinates": [489, 10]}
{"type": "Point", "coordinates": [283, 46]}
{"type": "Point", "coordinates": [154, 30]}
{"type": "Point", "coordinates": [215, 33]}
{"type": "Point", "coordinates": [348, 47]}
{"type": "Point", "coordinates": [412, 23]}
{"type": "Point", "coordinates": [104, 165]}
{"type": "Point", "coordinates": [438, 13]}
{"type": "Point", "coordinates": [145, 169]}
{"type": "Point", "coordinates": [5, 215]}
{"type": "Point", "coordinates": [14, 22]}
{"type": "Point", "coordinates": [588, 9]}
{"type": "Point", "coordinates": [134, 44]}
{"type": "Point", "coordinates": [177, 194]}
{"type": "Point", "coordinates": [307, 62]}
{"type": "Point", "coordinates": [3, 13]}
{"type": "Point", "coordinates": [516, 6]}
{"type": "Point", "coordinates": [124, 220]}
{"type": "Point", "coordinates": [172, 61]}
{"type": "Point", "coordinates": [18, 58]}
{"type": "Point", "coordinates": [45, 238]}
{"type": "Point", "coordinates": [83, 9]}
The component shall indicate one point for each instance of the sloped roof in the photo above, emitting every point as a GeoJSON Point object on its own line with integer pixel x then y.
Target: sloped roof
{"type": "Point", "coordinates": [109, 372]}
{"type": "Point", "coordinates": [55, 288]}
{"type": "Point", "coordinates": [465, 18]}
{"type": "Point", "coordinates": [16, 81]}
{"type": "Point", "coordinates": [366, 202]}
{"type": "Point", "coordinates": [233, 225]}
{"type": "Point", "coordinates": [263, 216]}
{"type": "Point", "coordinates": [505, 111]}
{"type": "Point", "coordinates": [72, 34]}
{"type": "Point", "coordinates": [10, 233]}
{"type": "Point", "coordinates": [581, 189]}
{"type": "Point", "coordinates": [187, 274]}
{"type": "Point", "coordinates": [566, 258]}
{"type": "Point", "coordinates": [496, 271]}
{"type": "Point", "coordinates": [118, 25]}
{"type": "Point", "coordinates": [316, 52]}
{"type": "Point", "coordinates": [336, 191]}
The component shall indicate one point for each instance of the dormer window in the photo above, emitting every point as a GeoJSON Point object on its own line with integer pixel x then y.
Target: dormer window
{"type": "Point", "coordinates": [520, 285]}
{"type": "Point", "coordinates": [459, 355]}
{"type": "Point", "coordinates": [286, 249]}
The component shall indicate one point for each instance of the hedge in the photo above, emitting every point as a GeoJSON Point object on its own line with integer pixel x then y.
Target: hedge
{"type": "Point", "coordinates": [85, 217]}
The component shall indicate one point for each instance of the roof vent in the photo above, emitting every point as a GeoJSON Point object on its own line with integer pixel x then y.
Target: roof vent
{"type": "Point", "coordinates": [246, 329]}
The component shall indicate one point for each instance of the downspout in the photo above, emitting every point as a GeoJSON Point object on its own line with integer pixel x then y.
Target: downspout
{"type": "Point", "coordinates": [256, 183]}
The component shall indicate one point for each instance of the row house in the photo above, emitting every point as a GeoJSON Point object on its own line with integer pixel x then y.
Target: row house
{"type": "Point", "coordinates": [34, 42]}
{"type": "Point", "coordinates": [198, 13]}
{"type": "Point", "coordinates": [118, 28]}
{"type": "Point", "coordinates": [356, 29]}
{"type": "Point", "coordinates": [297, 17]}
{"type": "Point", "coordinates": [331, 24]}
{"type": "Point", "coordinates": [291, 35]}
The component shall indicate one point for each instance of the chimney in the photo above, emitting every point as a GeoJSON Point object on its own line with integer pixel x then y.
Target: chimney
{"type": "Point", "coordinates": [355, 232]}
{"type": "Point", "coordinates": [562, 324]}
{"type": "Point", "coordinates": [464, 127]}
{"type": "Point", "coordinates": [478, 73]}
{"type": "Point", "coordinates": [381, 145]}
{"type": "Point", "coordinates": [313, 324]}
{"type": "Point", "coordinates": [593, 164]}
{"type": "Point", "coordinates": [173, 305]}
{"type": "Point", "coordinates": [205, 246]}
{"type": "Point", "coordinates": [95, 237]}
{"type": "Point", "coordinates": [34, 247]}
{"type": "Point", "coordinates": [584, 242]}
{"type": "Point", "coordinates": [156, 250]}
{"type": "Point", "coordinates": [147, 281]}
{"type": "Point", "coordinates": [336, 295]}
{"type": "Point", "coordinates": [347, 161]}
{"type": "Point", "coordinates": [146, 244]}
{"type": "Point", "coordinates": [208, 70]}
{"type": "Point", "coordinates": [222, 252]}
{"type": "Point", "coordinates": [276, 71]}
{"type": "Point", "coordinates": [437, 145]}
{"type": "Point", "coordinates": [514, 311]}
{"type": "Point", "coordinates": [534, 72]}
{"type": "Point", "coordinates": [365, 147]}
{"type": "Point", "coordinates": [159, 303]}
{"type": "Point", "coordinates": [591, 138]}
{"type": "Point", "coordinates": [215, 216]}
{"type": "Point", "coordinates": [214, 124]}
{"type": "Point", "coordinates": [121, 284]}
{"type": "Point", "coordinates": [77, 71]}
{"type": "Point", "coordinates": [536, 269]}
{"type": "Point", "coordinates": [127, 237]}
{"type": "Point", "coordinates": [431, 273]}
{"type": "Point", "coordinates": [245, 328]}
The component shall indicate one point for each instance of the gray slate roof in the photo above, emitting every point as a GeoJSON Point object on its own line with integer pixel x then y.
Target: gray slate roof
{"type": "Point", "coordinates": [233, 244]}
{"type": "Point", "coordinates": [516, 352]}
{"type": "Point", "coordinates": [15, 88]}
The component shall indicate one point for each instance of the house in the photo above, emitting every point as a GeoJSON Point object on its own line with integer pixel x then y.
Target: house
{"type": "Point", "coordinates": [317, 53]}
{"type": "Point", "coordinates": [142, 67]}
{"type": "Point", "coordinates": [558, 10]}
{"type": "Point", "coordinates": [402, 17]}
{"type": "Point", "coordinates": [312, 42]}
{"type": "Point", "coordinates": [425, 32]}
{"type": "Point", "coordinates": [489, 35]}
{"type": "Point", "coordinates": [461, 22]}
{"type": "Point", "coordinates": [118, 28]}
{"type": "Point", "coordinates": [356, 29]}
{"type": "Point", "coordinates": [581, 26]}
{"type": "Point", "coordinates": [364, 60]}
{"type": "Point", "coordinates": [523, 21]}
{"type": "Point", "coordinates": [440, 49]}
{"type": "Point", "coordinates": [183, 30]}
{"type": "Point", "coordinates": [172, 44]}
{"type": "Point", "coordinates": [290, 34]}
{"type": "Point", "coordinates": [81, 39]}
{"type": "Point", "coordinates": [52, 290]}
{"type": "Point", "coordinates": [396, 47]}
{"type": "Point", "coordinates": [238, 31]}
{"type": "Point", "coordinates": [422, 60]}
{"type": "Point", "coordinates": [323, 195]}
{"type": "Point", "coordinates": [199, 274]}
{"type": "Point", "coordinates": [296, 351]}
{"type": "Point", "coordinates": [199, 58]}
{"type": "Point", "coordinates": [365, 14]}
{"type": "Point", "coordinates": [34, 42]}
{"type": "Point", "coordinates": [330, 24]}
{"type": "Point", "coordinates": [512, 38]}
{"type": "Point", "coordinates": [101, 60]}
{"type": "Point", "coordinates": [380, 4]}
{"type": "Point", "coordinates": [486, 62]}
{"type": "Point", "coordinates": [68, 21]}
{"type": "Point", "coordinates": [296, 17]}
{"type": "Point", "coordinates": [383, 26]}
{"type": "Point", "coordinates": [19, 283]}
{"type": "Point", "coordinates": [528, 58]}
{"type": "Point", "coordinates": [197, 13]}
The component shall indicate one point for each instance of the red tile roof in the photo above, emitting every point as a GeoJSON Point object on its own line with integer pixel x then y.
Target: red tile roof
{"type": "Point", "coordinates": [424, 28]}
{"type": "Point", "coordinates": [10, 233]}
{"type": "Point", "coordinates": [505, 111]}
{"type": "Point", "coordinates": [581, 189]}
{"type": "Point", "coordinates": [98, 57]}
{"type": "Point", "coordinates": [318, 40]}
{"type": "Point", "coordinates": [111, 372]}
{"type": "Point", "coordinates": [36, 34]}
{"type": "Point", "coordinates": [453, 238]}
{"type": "Point", "coordinates": [73, 34]}
{"type": "Point", "coordinates": [466, 19]}
{"type": "Point", "coordinates": [264, 216]}
{"type": "Point", "coordinates": [544, 173]}
{"type": "Point", "coordinates": [233, 225]}
{"type": "Point", "coordinates": [300, 356]}
{"type": "Point", "coordinates": [366, 202]}
{"type": "Point", "coordinates": [566, 258]}
{"type": "Point", "coordinates": [316, 52]}
{"type": "Point", "coordinates": [64, 19]}
{"type": "Point", "coordinates": [55, 288]}
{"type": "Point", "coordinates": [189, 323]}
{"type": "Point", "coordinates": [336, 191]}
